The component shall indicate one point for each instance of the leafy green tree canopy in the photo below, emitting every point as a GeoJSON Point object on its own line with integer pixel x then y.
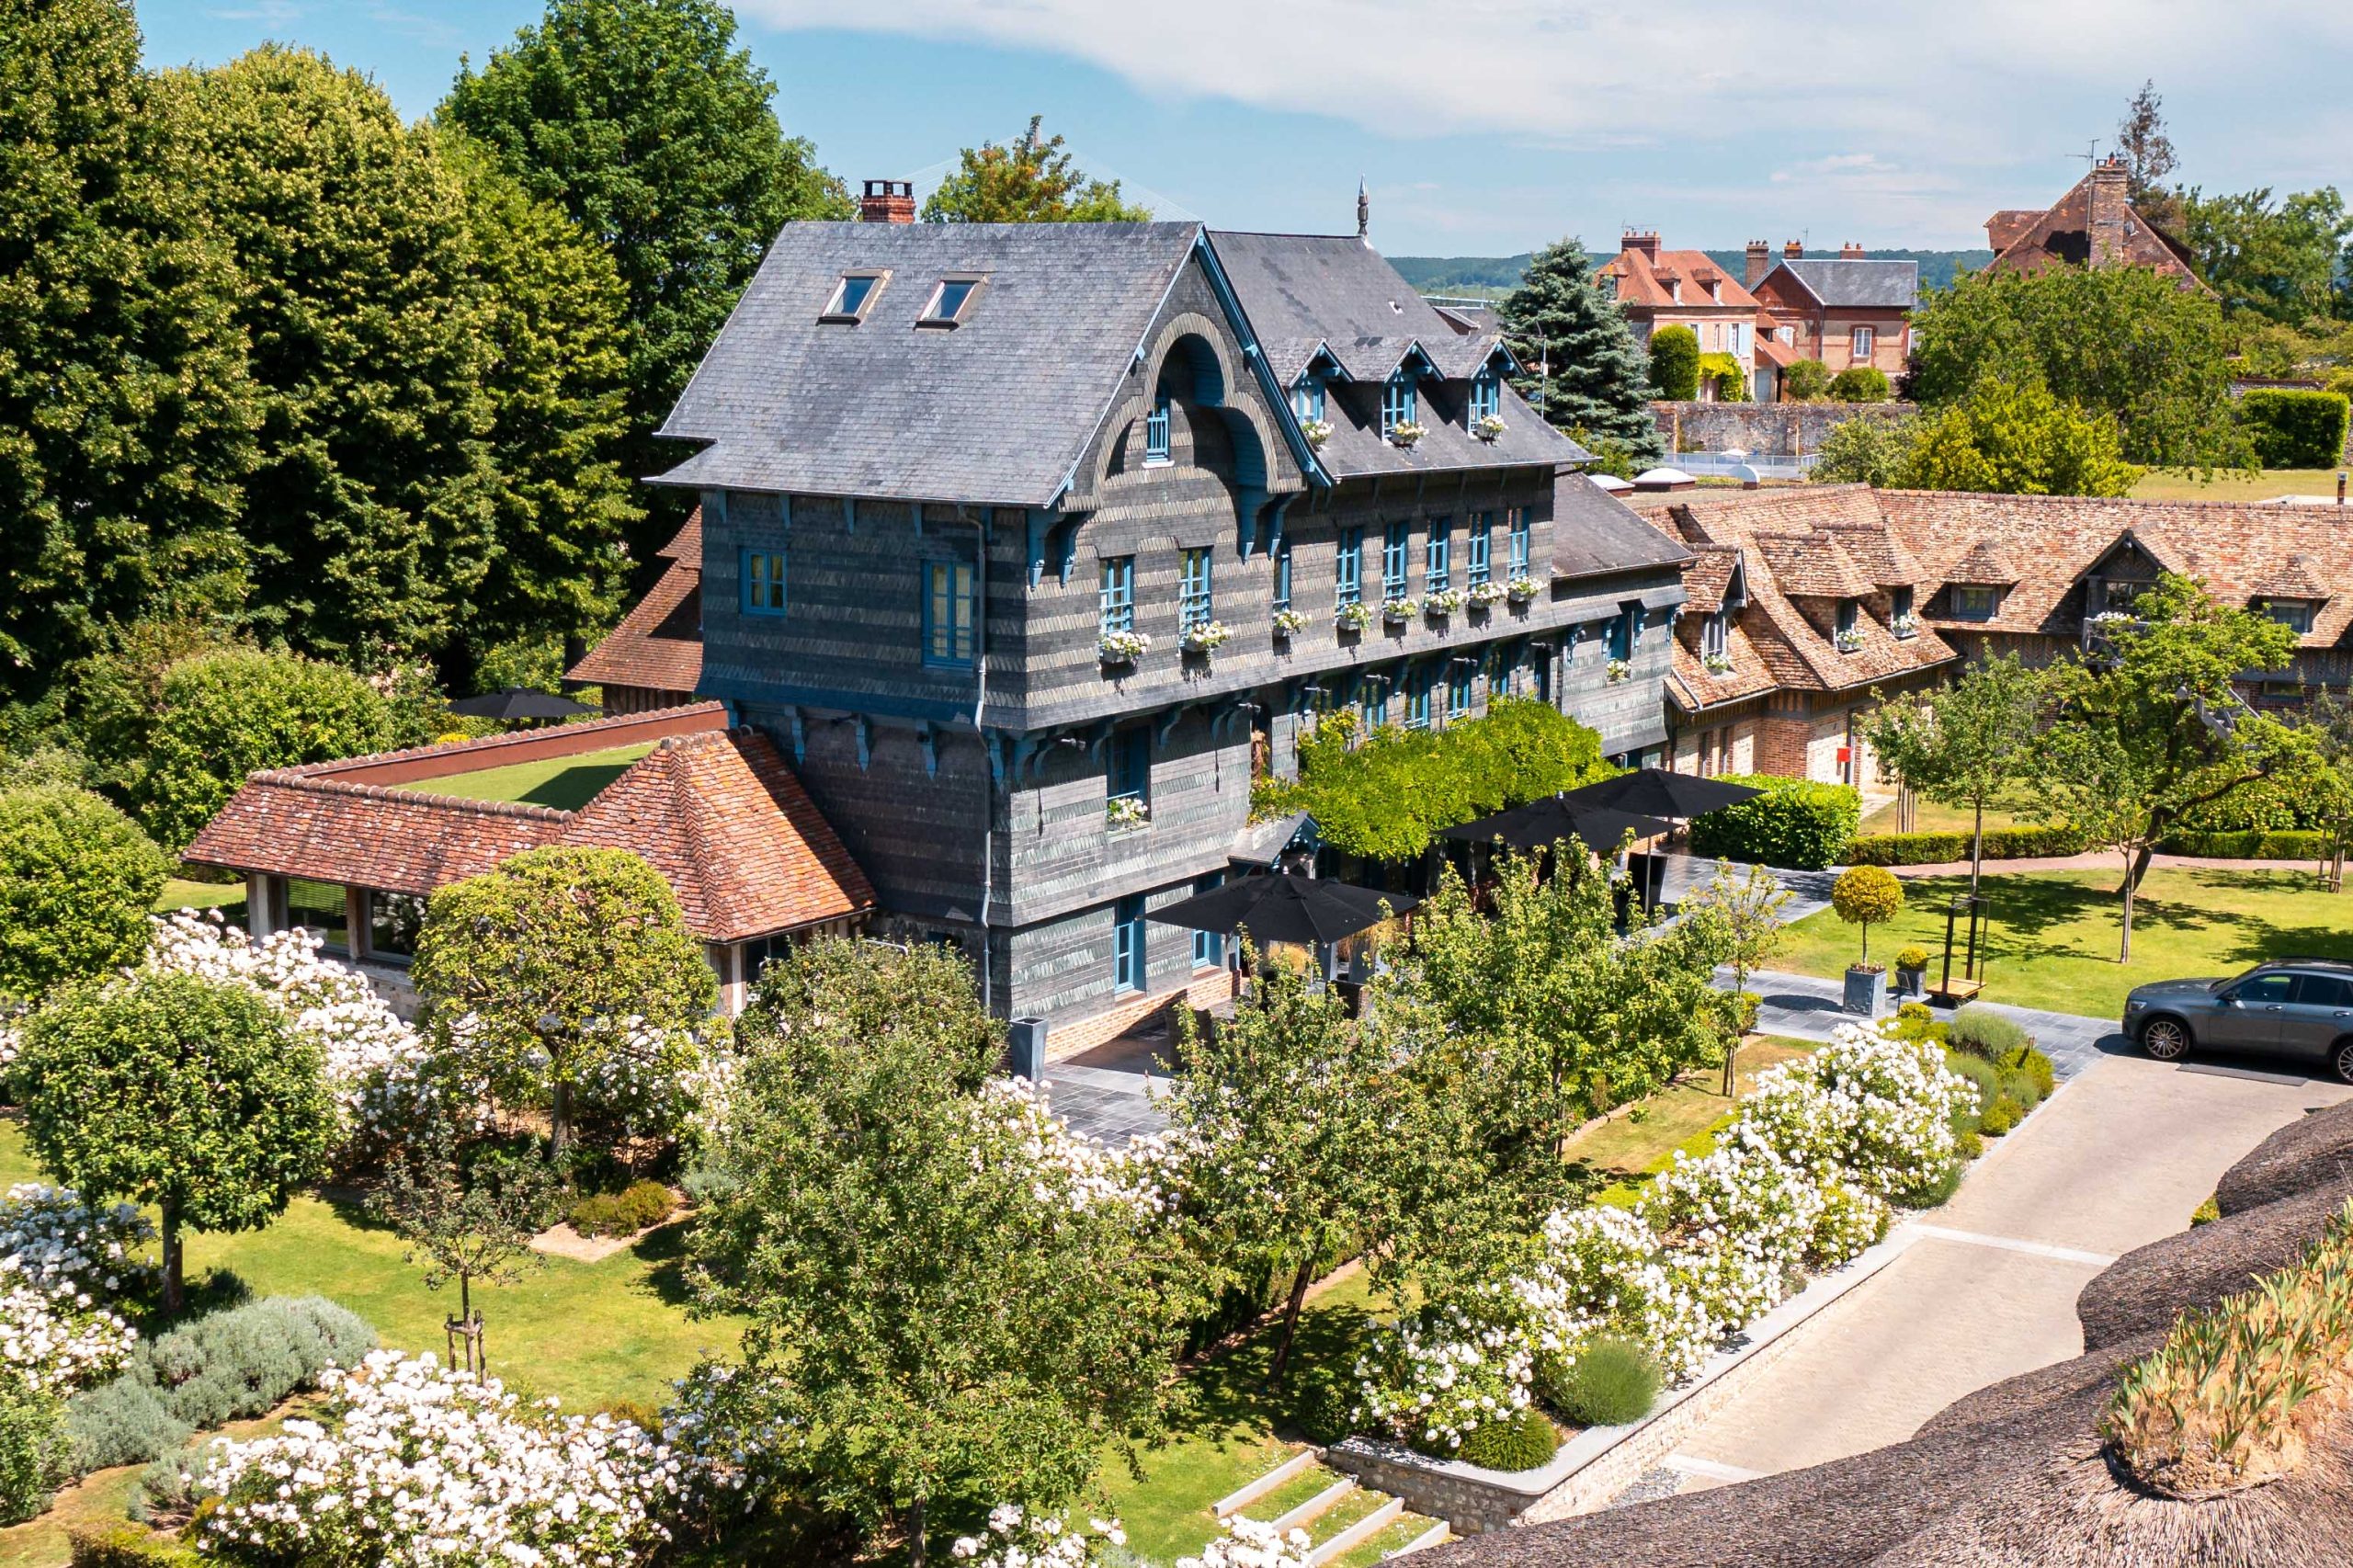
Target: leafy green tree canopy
{"type": "Point", "coordinates": [194, 1095]}
{"type": "Point", "coordinates": [1675, 364]}
{"type": "Point", "coordinates": [77, 880]}
{"type": "Point", "coordinates": [237, 711]}
{"type": "Point", "coordinates": [1584, 373]}
{"type": "Point", "coordinates": [1806, 381]}
{"type": "Point", "coordinates": [1866, 896]}
{"type": "Point", "coordinates": [1030, 181]}
{"type": "Point", "coordinates": [2016, 440]}
{"type": "Point", "coordinates": [1860, 383]}
{"type": "Point", "coordinates": [1966, 744]}
{"type": "Point", "coordinates": [2285, 261]}
{"type": "Point", "coordinates": [2119, 341]}
{"type": "Point", "coordinates": [563, 973]}
{"type": "Point", "coordinates": [1866, 451]}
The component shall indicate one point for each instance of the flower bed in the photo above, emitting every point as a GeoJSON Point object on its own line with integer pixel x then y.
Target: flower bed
{"type": "Point", "coordinates": [63, 1266]}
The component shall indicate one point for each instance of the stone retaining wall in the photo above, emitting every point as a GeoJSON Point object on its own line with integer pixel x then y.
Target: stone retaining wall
{"type": "Point", "coordinates": [1762, 429]}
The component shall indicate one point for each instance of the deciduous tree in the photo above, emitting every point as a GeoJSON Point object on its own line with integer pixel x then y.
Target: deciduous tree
{"type": "Point", "coordinates": [1031, 181]}
{"type": "Point", "coordinates": [2283, 261]}
{"type": "Point", "coordinates": [1748, 908]}
{"type": "Point", "coordinates": [568, 975]}
{"type": "Point", "coordinates": [1968, 745]}
{"type": "Point", "coordinates": [1583, 372]}
{"type": "Point", "coordinates": [2017, 439]}
{"type": "Point", "coordinates": [77, 878]}
{"type": "Point", "coordinates": [1866, 451]}
{"type": "Point", "coordinates": [467, 1220]}
{"type": "Point", "coordinates": [194, 1095]}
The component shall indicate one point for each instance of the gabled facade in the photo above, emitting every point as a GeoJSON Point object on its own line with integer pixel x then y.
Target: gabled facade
{"type": "Point", "coordinates": [2095, 224]}
{"type": "Point", "coordinates": [1030, 545]}
{"type": "Point", "coordinates": [1659, 288]}
{"type": "Point", "coordinates": [1843, 311]}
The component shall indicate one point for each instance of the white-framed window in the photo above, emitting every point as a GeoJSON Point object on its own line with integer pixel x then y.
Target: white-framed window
{"type": "Point", "coordinates": [1859, 346]}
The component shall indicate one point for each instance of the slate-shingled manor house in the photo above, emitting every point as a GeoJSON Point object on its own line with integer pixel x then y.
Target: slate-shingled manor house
{"type": "Point", "coordinates": [941, 464]}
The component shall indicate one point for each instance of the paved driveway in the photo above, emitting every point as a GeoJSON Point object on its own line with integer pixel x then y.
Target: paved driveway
{"type": "Point", "coordinates": [1986, 1287]}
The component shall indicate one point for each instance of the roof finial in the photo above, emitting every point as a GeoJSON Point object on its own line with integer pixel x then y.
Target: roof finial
{"type": "Point", "coordinates": [1364, 212]}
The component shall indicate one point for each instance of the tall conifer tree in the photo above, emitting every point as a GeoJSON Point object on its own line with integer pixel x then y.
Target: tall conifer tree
{"type": "Point", "coordinates": [1592, 382]}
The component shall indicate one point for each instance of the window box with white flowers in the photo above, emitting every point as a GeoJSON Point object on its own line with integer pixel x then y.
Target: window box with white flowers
{"type": "Point", "coordinates": [1849, 640]}
{"type": "Point", "coordinates": [1125, 810]}
{"type": "Point", "coordinates": [1443, 603]}
{"type": "Point", "coordinates": [1406, 433]}
{"type": "Point", "coordinates": [1522, 589]}
{"type": "Point", "coordinates": [1123, 647]}
{"type": "Point", "coordinates": [1395, 610]}
{"type": "Point", "coordinates": [1317, 432]}
{"type": "Point", "coordinates": [1619, 670]}
{"type": "Point", "coordinates": [1718, 663]}
{"type": "Point", "coordinates": [1905, 626]}
{"type": "Point", "coordinates": [1289, 622]}
{"type": "Point", "coordinates": [1354, 616]}
{"type": "Point", "coordinates": [1487, 426]}
{"type": "Point", "coordinates": [1485, 594]}
{"type": "Point", "coordinates": [1204, 637]}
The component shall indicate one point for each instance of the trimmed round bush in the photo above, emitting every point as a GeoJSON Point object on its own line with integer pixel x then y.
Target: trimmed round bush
{"type": "Point", "coordinates": [1611, 1382]}
{"type": "Point", "coordinates": [1521, 1441]}
{"type": "Point", "coordinates": [1321, 1405]}
{"type": "Point", "coordinates": [2000, 1116]}
{"type": "Point", "coordinates": [1675, 364]}
{"type": "Point", "coordinates": [1913, 957]}
{"type": "Point", "coordinates": [1796, 823]}
{"type": "Point", "coordinates": [1859, 384]}
{"type": "Point", "coordinates": [1981, 1031]}
{"type": "Point", "coordinates": [1806, 381]}
{"type": "Point", "coordinates": [77, 880]}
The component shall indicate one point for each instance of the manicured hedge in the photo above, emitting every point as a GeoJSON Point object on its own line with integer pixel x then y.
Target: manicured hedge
{"type": "Point", "coordinates": [1860, 383]}
{"type": "Point", "coordinates": [1796, 824]}
{"type": "Point", "coordinates": [2287, 845]}
{"type": "Point", "coordinates": [2296, 429]}
{"type": "Point", "coordinates": [1937, 848]}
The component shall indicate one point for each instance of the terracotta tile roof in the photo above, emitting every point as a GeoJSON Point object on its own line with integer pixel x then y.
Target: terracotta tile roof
{"type": "Point", "coordinates": [1641, 281]}
{"type": "Point", "coordinates": [1773, 351]}
{"type": "Point", "coordinates": [658, 645]}
{"type": "Point", "coordinates": [2291, 579]}
{"type": "Point", "coordinates": [1984, 563]}
{"type": "Point", "coordinates": [2093, 224]}
{"type": "Point", "coordinates": [1709, 573]}
{"type": "Point", "coordinates": [1877, 553]}
{"type": "Point", "coordinates": [1696, 687]}
{"type": "Point", "coordinates": [716, 811]}
{"type": "Point", "coordinates": [1813, 565]}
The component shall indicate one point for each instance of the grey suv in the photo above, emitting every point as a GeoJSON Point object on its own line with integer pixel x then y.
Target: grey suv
{"type": "Point", "coordinates": [2299, 1007]}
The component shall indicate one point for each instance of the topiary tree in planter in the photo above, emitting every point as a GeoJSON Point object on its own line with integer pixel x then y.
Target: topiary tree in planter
{"type": "Point", "coordinates": [1866, 895]}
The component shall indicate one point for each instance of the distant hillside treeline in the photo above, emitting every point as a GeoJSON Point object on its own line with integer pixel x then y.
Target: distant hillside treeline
{"type": "Point", "coordinates": [1495, 274]}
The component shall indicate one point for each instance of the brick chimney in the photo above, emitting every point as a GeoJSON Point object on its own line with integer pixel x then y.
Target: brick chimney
{"type": "Point", "coordinates": [2108, 219]}
{"type": "Point", "coordinates": [888, 202]}
{"type": "Point", "coordinates": [1792, 250]}
{"type": "Point", "coordinates": [1645, 244]}
{"type": "Point", "coordinates": [1850, 250]}
{"type": "Point", "coordinates": [1760, 262]}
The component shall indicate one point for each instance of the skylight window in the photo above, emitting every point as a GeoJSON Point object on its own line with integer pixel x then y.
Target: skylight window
{"type": "Point", "coordinates": [852, 295]}
{"type": "Point", "coordinates": [949, 302]}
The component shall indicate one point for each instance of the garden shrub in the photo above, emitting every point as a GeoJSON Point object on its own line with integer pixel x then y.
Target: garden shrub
{"type": "Point", "coordinates": [2000, 1116]}
{"type": "Point", "coordinates": [1938, 1190]}
{"type": "Point", "coordinates": [1723, 369]}
{"type": "Point", "coordinates": [1805, 381]}
{"type": "Point", "coordinates": [1521, 1441]}
{"type": "Point", "coordinates": [123, 1422]}
{"type": "Point", "coordinates": [1748, 1001]}
{"type": "Point", "coordinates": [32, 1449]}
{"type": "Point", "coordinates": [2020, 1087]}
{"type": "Point", "coordinates": [1609, 1383]}
{"type": "Point", "coordinates": [2287, 844]}
{"type": "Point", "coordinates": [1913, 957]}
{"type": "Point", "coordinates": [623, 1214]}
{"type": "Point", "coordinates": [130, 1546]}
{"type": "Point", "coordinates": [1323, 1403]}
{"type": "Point", "coordinates": [1860, 383]}
{"type": "Point", "coordinates": [1968, 1143]}
{"type": "Point", "coordinates": [1675, 364]}
{"type": "Point", "coordinates": [1981, 1074]}
{"type": "Point", "coordinates": [2296, 428]}
{"type": "Point", "coordinates": [77, 880]}
{"type": "Point", "coordinates": [1914, 1022]}
{"type": "Point", "coordinates": [1796, 824]}
{"type": "Point", "coordinates": [1983, 1032]}
{"type": "Point", "coordinates": [1940, 848]}
{"type": "Point", "coordinates": [2034, 1065]}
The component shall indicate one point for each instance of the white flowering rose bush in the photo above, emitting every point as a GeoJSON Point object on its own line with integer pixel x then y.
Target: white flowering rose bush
{"type": "Point", "coordinates": [1068, 1166]}
{"type": "Point", "coordinates": [64, 1265]}
{"type": "Point", "coordinates": [1436, 1375]}
{"type": "Point", "coordinates": [419, 1465]}
{"type": "Point", "coordinates": [1736, 1225]}
{"type": "Point", "coordinates": [1603, 1271]}
{"type": "Point", "coordinates": [1874, 1108]}
{"type": "Point", "coordinates": [1017, 1538]}
{"type": "Point", "coordinates": [1247, 1543]}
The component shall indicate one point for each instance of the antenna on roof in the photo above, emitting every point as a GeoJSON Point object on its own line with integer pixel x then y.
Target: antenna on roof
{"type": "Point", "coordinates": [1364, 212]}
{"type": "Point", "coordinates": [2091, 155]}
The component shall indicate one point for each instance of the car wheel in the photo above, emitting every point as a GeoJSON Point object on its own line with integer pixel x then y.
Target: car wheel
{"type": "Point", "coordinates": [2164, 1040]}
{"type": "Point", "coordinates": [2343, 1060]}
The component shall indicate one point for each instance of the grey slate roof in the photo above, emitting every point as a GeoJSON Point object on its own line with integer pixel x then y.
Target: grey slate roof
{"type": "Point", "coordinates": [1302, 292]}
{"type": "Point", "coordinates": [1862, 284]}
{"type": "Point", "coordinates": [997, 410]}
{"type": "Point", "coordinates": [1594, 534]}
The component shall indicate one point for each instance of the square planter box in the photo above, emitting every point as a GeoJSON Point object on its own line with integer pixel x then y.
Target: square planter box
{"type": "Point", "coordinates": [1910, 984]}
{"type": "Point", "coordinates": [1866, 992]}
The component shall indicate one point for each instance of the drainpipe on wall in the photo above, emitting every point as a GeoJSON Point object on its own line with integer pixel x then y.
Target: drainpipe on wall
{"type": "Point", "coordinates": [988, 780]}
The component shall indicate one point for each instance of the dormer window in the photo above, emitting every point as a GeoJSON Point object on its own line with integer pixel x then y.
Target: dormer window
{"type": "Point", "coordinates": [1486, 396]}
{"type": "Point", "coordinates": [2295, 614]}
{"type": "Point", "coordinates": [851, 296]}
{"type": "Point", "coordinates": [1975, 601]}
{"type": "Point", "coordinates": [1399, 402]}
{"type": "Point", "coordinates": [1307, 398]}
{"type": "Point", "coordinates": [949, 302]}
{"type": "Point", "coordinates": [1899, 619]}
{"type": "Point", "coordinates": [1846, 635]}
{"type": "Point", "coordinates": [1712, 637]}
{"type": "Point", "coordinates": [1155, 432]}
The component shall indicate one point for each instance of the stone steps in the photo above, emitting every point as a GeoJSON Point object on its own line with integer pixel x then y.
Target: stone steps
{"type": "Point", "coordinates": [1347, 1525]}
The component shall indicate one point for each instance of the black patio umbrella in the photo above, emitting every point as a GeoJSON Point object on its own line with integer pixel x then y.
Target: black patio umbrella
{"type": "Point", "coordinates": [517, 702]}
{"type": "Point", "coordinates": [1658, 792]}
{"type": "Point", "coordinates": [1285, 907]}
{"type": "Point", "coordinates": [1541, 823]}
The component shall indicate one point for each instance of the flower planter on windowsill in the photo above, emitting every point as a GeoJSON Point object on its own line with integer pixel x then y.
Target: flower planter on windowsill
{"type": "Point", "coordinates": [1866, 990]}
{"type": "Point", "coordinates": [1119, 649]}
{"type": "Point", "coordinates": [1316, 432]}
{"type": "Point", "coordinates": [1718, 663]}
{"type": "Point", "coordinates": [1122, 812]}
{"type": "Point", "coordinates": [1846, 642]}
{"type": "Point", "coordinates": [1522, 590]}
{"type": "Point", "coordinates": [1619, 670]}
{"type": "Point", "coordinates": [1289, 623]}
{"type": "Point", "coordinates": [1487, 426]}
{"type": "Point", "coordinates": [1487, 595]}
{"type": "Point", "coordinates": [1904, 626]}
{"type": "Point", "coordinates": [1353, 616]}
{"type": "Point", "coordinates": [1205, 639]}
{"type": "Point", "coordinates": [1443, 603]}
{"type": "Point", "coordinates": [1406, 435]}
{"type": "Point", "coordinates": [1398, 611]}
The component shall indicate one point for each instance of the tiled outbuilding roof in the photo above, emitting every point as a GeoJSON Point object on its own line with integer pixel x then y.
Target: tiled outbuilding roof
{"type": "Point", "coordinates": [1709, 575]}
{"type": "Point", "coordinates": [715, 810]}
{"type": "Point", "coordinates": [1641, 281]}
{"type": "Point", "coordinates": [658, 645]}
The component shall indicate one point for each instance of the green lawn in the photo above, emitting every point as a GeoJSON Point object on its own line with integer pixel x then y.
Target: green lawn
{"type": "Point", "coordinates": [186, 892]}
{"type": "Point", "coordinates": [1623, 1149]}
{"type": "Point", "coordinates": [1929, 817]}
{"type": "Point", "coordinates": [2055, 933]}
{"type": "Point", "coordinates": [564, 783]}
{"type": "Point", "coordinates": [2162, 484]}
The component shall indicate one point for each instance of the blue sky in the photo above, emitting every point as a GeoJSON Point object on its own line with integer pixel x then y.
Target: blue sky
{"type": "Point", "coordinates": [1486, 127]}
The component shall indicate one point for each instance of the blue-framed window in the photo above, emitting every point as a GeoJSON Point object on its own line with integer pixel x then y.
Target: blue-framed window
{"type": "Point", "coordinates": [1486, 395]}
{"type": "Point", "coordinates": [1394, 556]}
{"type": "Point", "coordinates": [1417, 699]}
{"type": "Point", "coordinates": [1376, 702]}
{"type": "Point", "coordinates": [1347, 568]}
{"type": "Point", "coordinates": [1282, 574]}
{"type": "Point", "coordinates": [1193, 601]}
{"type": "Point", "coordinates": [1209, 947]}
{"type": "Point", "coordinates": [1399, 401]}
{"type": "Point", "coordinates": [763, 571]}
{"type": "Point", "coordinates": [1127, 767]}
{"type": "Point", "coordinates": [948, 613]}
{"type": "Point", "coordinates": [1437, 555]}
{"type": "Point", "coordinates": [1459, 677]}
{"type": "Point", "coordinates": [1307, 398]}
{"type": "Point", "coordinates": [1127, 945]}
{"type": "Point", "coordinates": [1155, 433]}
{"type": "Point", "coordinates": [1118, 599]}
{"type": "Point", "coordinates": [1973, 601]}
{"type": "Point", "coordinates": [1625, 632]}
{"type": "Point", "coordinates": [1519, 536]}
{"type": "Point", "coordinates": [1476, 545]}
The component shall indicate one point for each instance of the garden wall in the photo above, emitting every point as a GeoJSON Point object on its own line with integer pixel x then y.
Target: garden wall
{"type": "Point", "coordinates": [1766, 429]}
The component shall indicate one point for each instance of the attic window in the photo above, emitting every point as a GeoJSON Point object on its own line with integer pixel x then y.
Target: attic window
{"type": "Point", "coordinates": [1487, 397]}
{"type": "Point", "coordinates": [2295, 614]}
{"type": "Point", "coordinates": [949, 302]}
{"type": "Point", "coordinates": [851, 296]}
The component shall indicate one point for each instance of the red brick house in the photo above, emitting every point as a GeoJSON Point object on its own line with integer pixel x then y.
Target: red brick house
{"type": "Point", "coordinates": [350, 848]}
{"type": "Point", "coordinates": [1845, 311]}
{"type": "Point", "coordinates": [1683, 287]}
{"type": "Point", "coordinates": [2095, 224]}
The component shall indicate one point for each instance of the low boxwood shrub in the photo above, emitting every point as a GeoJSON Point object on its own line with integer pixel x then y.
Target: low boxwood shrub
{"type": "Point", "coordinates": [1940, 848]}
{"type": "Point", "coordinates": [2284, 843]}
{"type": "Point", "coordinates": [2034, 1065]}
{"type": "Point", "coordinates": [32, 1449]}
{"type": "Point", "coordinates": [130, 1546]}
{"type": "Point", "coordinates": [1796, 823]}
{"type": "Point", "coordinates": [1611, 1382]}
{"type": "Point", "coordinates": [623, 1214]}
{"type": "Point", "coordinates": [1983, 1032]}
{"type": "Point", "coordinates": [2000, 1116]}
{"type": "Point", "coordinates": [1915, 1022]}
{"type": "Point", "coordinates": [1520, 1441]}
{"type": "Point", "coordinates": [1321, 1403]}
{"type": "Point", "coordinates": [1911, 958]}
{"type": "Point", "coordinates": [2292, 427]}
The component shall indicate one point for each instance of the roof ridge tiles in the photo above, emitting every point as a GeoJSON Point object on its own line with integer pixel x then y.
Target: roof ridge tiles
{"type": "Point", "coordinates": [491, 742]}
{"type": "Point", "coordinates": [294, 778]}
